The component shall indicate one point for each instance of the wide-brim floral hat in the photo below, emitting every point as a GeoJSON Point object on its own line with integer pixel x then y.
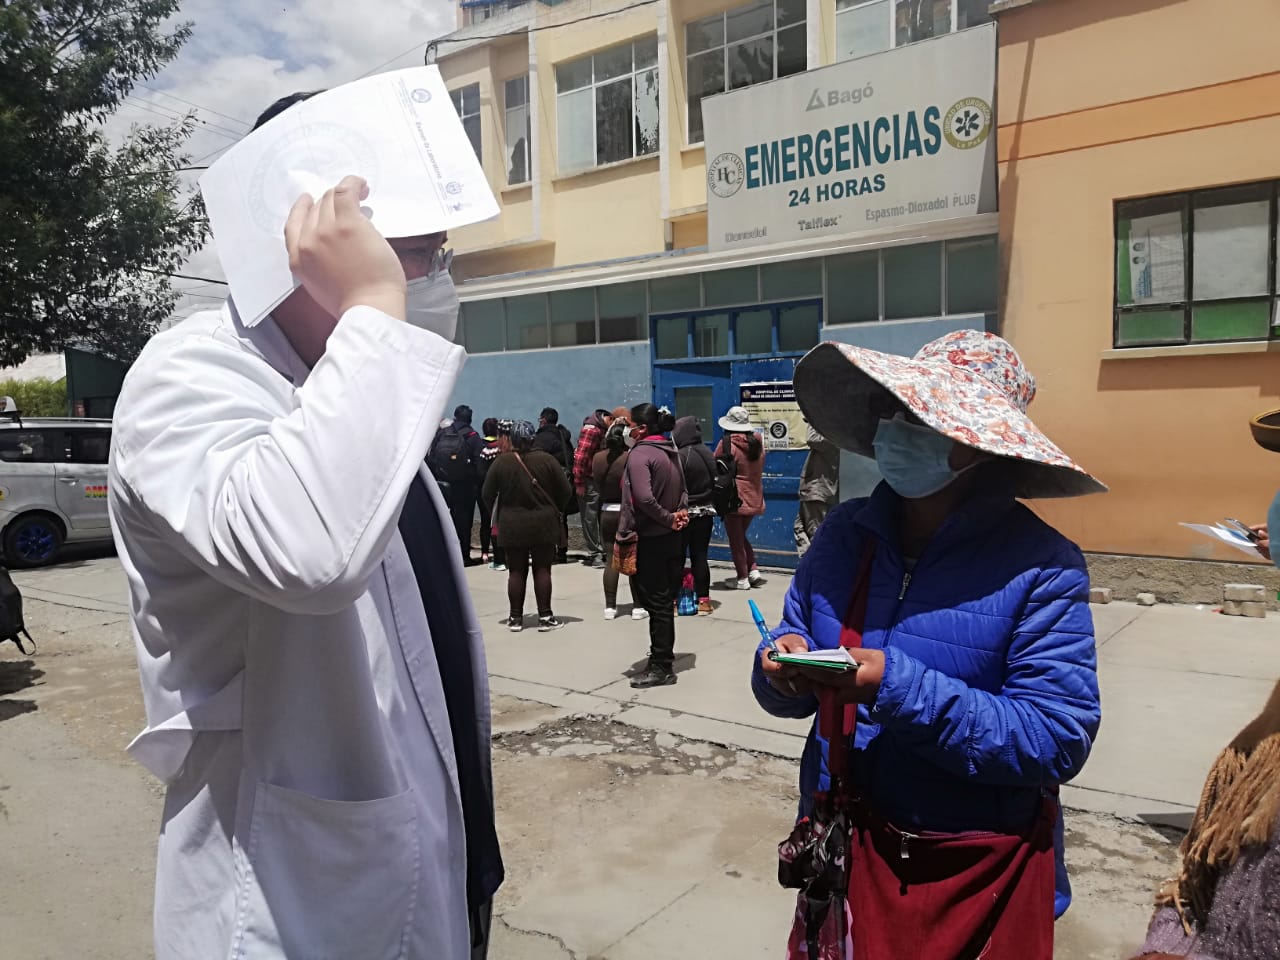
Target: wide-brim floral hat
{"type": "Point", "coordinates": [969, 385]}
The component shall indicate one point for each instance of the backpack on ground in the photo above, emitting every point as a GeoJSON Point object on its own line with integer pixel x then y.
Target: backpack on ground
{"type": "Point", "coordinates": [450, 457]}
{"type": "Point", "coordinates": [11, 625]}
{"type": "Point", "coordinates": [724, 487]}
{"type": "Point", "coordinates": [687, 604]}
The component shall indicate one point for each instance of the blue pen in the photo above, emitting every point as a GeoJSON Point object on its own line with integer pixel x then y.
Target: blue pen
{"type": "Point", "coordinates": [758, 617]}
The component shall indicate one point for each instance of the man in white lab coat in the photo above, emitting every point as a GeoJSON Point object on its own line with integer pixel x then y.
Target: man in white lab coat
{"type": "Point", "coordinates": [312, 669]}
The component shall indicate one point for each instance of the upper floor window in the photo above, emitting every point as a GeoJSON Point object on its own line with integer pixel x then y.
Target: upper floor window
{"type": "Point", "coordinates": [607, 106]}
{"type": "Point", "coordinates": [478, 11]}
{"type": "Point", "coordinates": [519, 131]}
{"type": "Point", "coordinates": [466, 100]}
{"type": "Point", "coordinates": [1197, 267]}
{"type": "Point", "coordinates": [761, 41]}
{"type": "Point", "coordinates": [870, 26]}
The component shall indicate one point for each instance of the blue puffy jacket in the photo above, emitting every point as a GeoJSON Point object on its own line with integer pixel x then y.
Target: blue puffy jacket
{"type": "Point", "coordinates": [990, 689]}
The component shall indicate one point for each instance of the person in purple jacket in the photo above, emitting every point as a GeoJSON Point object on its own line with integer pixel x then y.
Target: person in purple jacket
{"type": "Point", "coordinates": [655, 509]}
{"type": "Point", "coordinates": [977, 690]}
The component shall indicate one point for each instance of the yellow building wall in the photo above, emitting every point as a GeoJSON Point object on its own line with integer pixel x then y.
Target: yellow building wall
{"type": "Point", "coordinates": [687, 164]}
{"type": "Point", "coordinates": [485, 65]}
{"type": "Point", "coordinates": [584, 216]}
{"type": "Point", "coordinates": [1159, 110]}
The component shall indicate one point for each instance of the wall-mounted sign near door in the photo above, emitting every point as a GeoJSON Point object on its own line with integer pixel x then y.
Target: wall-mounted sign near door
{"type": "Point", "coordinates": [775, 413]}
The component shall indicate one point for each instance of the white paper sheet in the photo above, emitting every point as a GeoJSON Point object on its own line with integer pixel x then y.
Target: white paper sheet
{"type": "Point", "coordinates": [398, 130]}
{"type": "Point", "coordinates": [1157, 266]}
{"type": "Point", "coordinates": [1223, 535]}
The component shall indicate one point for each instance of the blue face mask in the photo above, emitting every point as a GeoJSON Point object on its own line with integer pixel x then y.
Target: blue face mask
{"type": "Point", "coordinates": [913, 459]}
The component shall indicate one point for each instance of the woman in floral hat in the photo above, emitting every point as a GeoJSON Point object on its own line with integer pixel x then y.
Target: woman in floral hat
{"type": "Point", "coordinates": [975, 693]}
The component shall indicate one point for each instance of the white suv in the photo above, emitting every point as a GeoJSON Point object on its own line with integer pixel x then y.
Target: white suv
{"type": "Point", "coordinates": [53, 486]}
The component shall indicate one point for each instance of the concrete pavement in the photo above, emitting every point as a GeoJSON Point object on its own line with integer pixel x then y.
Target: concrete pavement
{"type": "Point", "coordinates": [1177, 681]}
{"type": "Point", "coordinates": [635, 823]}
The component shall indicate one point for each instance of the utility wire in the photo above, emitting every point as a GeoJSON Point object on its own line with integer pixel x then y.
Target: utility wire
{"type": "Point", "coordinates": [183, 276]}
{"type": "Point", "coordinates": [174, 117]}
{"type": "Point", "coordinates": [386, 62]}
{"type": "Point", "coordinates": [198, 106]}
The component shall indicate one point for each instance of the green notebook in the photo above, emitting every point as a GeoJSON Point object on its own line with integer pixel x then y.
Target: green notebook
{"type": "Point", "coordinates": [837, 659]}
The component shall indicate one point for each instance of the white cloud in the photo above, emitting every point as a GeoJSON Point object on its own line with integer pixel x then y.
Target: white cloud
{"type": "Point", "coordinates": [245, 54]}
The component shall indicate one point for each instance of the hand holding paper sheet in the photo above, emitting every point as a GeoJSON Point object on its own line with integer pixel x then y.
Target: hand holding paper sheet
{"type": "Point", "coordinates": [397, 130]}
{"type": "Point", "coordinates": [1225, 535]}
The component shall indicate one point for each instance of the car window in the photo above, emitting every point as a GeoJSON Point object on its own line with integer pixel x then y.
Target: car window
{"type": "Point", "coordinates": [26, 446]}
{"type": "Point", "coordinates": [90, 446]}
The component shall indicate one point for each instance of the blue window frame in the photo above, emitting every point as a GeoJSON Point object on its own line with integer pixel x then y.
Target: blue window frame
{"type": "Point", "coordinates": [782, 329]}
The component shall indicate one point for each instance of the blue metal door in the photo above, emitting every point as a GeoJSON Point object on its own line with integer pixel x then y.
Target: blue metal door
{"type": "Point", "coordinates": [755, 344]}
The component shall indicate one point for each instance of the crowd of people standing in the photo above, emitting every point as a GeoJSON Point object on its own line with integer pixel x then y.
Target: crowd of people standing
{"type": "Point", "coordinates": [647, 489]}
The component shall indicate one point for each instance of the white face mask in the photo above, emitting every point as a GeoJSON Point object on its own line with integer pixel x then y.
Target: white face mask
{"type": "Point", "coordinates": [629, 440]}
{"type": "Point", "coordinates": [431, 303]}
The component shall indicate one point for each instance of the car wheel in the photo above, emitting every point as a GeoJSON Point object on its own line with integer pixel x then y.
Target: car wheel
{"type": "Point", "coordinates": [33, 541]}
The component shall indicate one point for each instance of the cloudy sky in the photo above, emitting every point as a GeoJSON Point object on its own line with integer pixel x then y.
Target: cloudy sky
{"type": "Point", "coordinates": [243, 54]}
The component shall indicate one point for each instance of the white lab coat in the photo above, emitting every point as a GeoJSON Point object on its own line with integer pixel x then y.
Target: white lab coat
{"type": "Point", "coordinates": [294, 702]}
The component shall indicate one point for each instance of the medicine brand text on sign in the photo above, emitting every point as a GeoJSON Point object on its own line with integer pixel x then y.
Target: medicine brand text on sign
{"type": "Point", "coordinates": [901, 137]}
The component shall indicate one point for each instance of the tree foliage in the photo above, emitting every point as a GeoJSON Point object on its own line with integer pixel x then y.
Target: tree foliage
{"type": "Point", "coordinates": [40, 397]}
{"type": "Point", "coordinates": [87, 228]}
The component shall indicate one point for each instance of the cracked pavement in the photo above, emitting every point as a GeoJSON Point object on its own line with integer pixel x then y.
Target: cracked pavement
{"type": "Point", "coordinates": [634, 824]}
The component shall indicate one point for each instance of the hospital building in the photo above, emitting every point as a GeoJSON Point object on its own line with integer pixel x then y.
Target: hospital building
{"type": "Point", "coordinates": [696, 192]}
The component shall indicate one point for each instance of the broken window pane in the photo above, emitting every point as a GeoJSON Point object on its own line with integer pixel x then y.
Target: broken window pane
{"type": "Point", "coordinates": [613, 121]}
{"type": "Point", "coordinates": [647, 113]}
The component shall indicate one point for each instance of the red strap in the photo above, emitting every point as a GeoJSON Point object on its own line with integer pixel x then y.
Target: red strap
{"type": "Point", "coordinates": [837, 721]}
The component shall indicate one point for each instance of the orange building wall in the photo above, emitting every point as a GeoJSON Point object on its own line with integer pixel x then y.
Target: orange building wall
{"type": "Point", "coordinates": [1100, 100]}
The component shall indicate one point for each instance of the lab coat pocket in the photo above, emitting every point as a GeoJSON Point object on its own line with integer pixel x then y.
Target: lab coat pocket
{"type": "Point", "coordinates": [327, 879]}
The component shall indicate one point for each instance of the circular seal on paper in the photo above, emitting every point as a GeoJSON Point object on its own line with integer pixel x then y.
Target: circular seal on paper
{"type": "Point", "coordinates": [421, 95]}
{"type": "Point", "coordinates": [453, 188]}
{"type": "Point", "coordinates": [779, 430]}
{"type": "Point", "coordinates": [968, 123]}
{"type": "Point", "coordinates": [725, 175]}
{"type": "Point", "coordinates": [322, 153]}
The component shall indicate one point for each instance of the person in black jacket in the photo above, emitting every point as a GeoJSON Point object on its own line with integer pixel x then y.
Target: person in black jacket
{"type": "Point", "coordinates": [454, 459]}
{"type": "Point", "coordinates": [489, 452]}
{"type": "Point", "coordinates": [552, 438]}
{"type": "Point", "coordinates": [699, 472]}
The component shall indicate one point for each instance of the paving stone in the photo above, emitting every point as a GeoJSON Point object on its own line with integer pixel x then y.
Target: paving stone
{"type": "Point", "coordinates": [1244, 608]}
{"type": "Point", "coordinates": [1245, 592]}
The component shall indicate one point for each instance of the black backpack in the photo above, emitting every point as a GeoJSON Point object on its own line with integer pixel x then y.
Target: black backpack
{"type": "Point", "coordinates": [450, 458]}
{"type": "Point", "coordinates": [724, 487]}
{"type": "Point", "coordinates": [11, 625]}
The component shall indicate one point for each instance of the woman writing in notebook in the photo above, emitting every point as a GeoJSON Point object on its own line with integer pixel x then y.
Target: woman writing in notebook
{"type": "Point", "coordinates": [975, 694]}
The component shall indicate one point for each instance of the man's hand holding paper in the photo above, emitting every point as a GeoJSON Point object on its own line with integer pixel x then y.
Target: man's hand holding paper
{"type": "Point", "coordinates": [397, 131]}
{"type": "Point", "coordinates": [338, 256]}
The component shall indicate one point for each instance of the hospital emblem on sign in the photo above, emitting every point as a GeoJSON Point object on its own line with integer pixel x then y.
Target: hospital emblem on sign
{"type": "Point", "coordinates": [725, 175]}
{"type": "Point", "coordinates": [968, 123]}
